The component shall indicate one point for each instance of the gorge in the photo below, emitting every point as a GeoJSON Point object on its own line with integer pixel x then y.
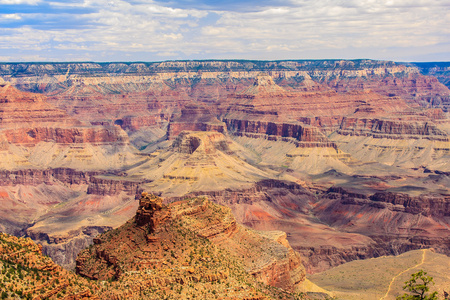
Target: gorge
{"type": "Point", "coordinates": [343, 159]}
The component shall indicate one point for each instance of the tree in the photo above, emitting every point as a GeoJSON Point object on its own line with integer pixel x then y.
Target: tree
{"type": "Point", "coordinates": [418, 286]}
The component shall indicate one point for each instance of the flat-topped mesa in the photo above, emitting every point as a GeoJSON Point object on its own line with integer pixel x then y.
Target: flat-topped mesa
{"type": "Point", "coordinates": [148, 211]}
{"type": "Point", "coordinates": [195, 117]}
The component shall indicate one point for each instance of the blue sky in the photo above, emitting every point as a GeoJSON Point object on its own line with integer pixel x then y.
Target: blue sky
{"type": "Point", "coordinates": [155, 30]}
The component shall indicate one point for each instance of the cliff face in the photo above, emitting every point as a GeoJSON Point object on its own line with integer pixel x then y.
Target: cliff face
{"type": "Point", "coordinates": [36, 134]}
{"type": "Point", "coordinates": [301, 133]}
{"type": "Point", "coordinates": [103, 186]}
{"type": "Point", "coordinates": [392, 129]}
{"type": "Point", "coordinates": [98, 135]}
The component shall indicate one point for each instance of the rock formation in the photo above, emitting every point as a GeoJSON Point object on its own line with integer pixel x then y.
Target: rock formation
{"type": "Point", "coordinates": [194, 248]}
{"type": "Point", "coordinates": [197, 161]}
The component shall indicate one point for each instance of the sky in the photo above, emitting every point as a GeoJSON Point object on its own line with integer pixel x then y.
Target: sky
{"type": "Point", "coordinates": [158, 30]}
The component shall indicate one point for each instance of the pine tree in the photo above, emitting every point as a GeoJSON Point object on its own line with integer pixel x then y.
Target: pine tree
{"type": "Point", "coordinates": [418, 286]}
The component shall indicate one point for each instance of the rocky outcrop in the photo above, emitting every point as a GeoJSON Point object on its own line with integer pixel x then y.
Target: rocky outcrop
{"type": "Point", "coordinates": [149, 212]}
{"type": "Point", "coordinates": [187, 244]}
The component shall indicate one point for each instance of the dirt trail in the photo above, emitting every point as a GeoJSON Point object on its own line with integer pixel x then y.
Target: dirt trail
{"type": "Point", "coordinates": [396, 276]}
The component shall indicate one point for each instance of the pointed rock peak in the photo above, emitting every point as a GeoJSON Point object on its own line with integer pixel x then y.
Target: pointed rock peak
{"type": "Point", "coordinates": [147, 213]}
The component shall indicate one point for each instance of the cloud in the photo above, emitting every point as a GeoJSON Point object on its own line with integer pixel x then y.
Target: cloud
{"type": "Point", "coordinates": [226, 5]}
{"type": "Point", "coordinates": [12, 2]}
{"type": "Point", "coordinates": [8, 17]}
{"type": "Point", "coordinates": [154, 29]}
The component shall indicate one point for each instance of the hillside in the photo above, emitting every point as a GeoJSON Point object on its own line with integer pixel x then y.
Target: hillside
{"type": "Point", "coordinates": [383, 277]}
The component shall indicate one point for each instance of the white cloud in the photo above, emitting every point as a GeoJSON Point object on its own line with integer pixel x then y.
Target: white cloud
{"type": "Point", "coordinates": [10, 17]}
{"type": "Point", "coordinates": [12, 2]}
{"type": "Point", "coordinates": [322, 28]}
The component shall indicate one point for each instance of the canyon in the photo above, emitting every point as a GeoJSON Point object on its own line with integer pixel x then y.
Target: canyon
{"type": "Point", "coordinates": [349, 158]}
